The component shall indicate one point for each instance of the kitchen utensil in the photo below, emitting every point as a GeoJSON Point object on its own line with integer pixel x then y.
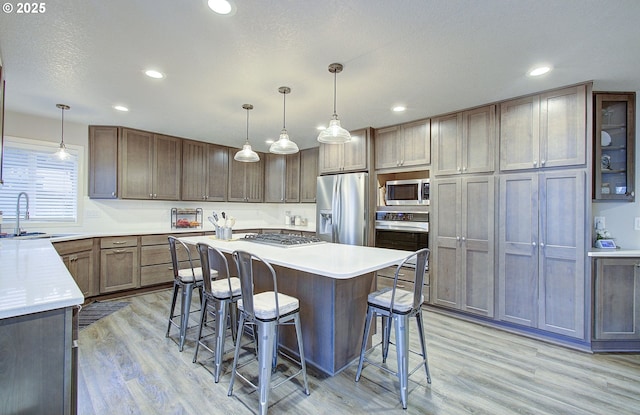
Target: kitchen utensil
{"type": "Point", "coordinates": [212, 220]}
{"type": "Point", "coordinates": [215, 215]}
{"type": "Point", "coordinates": [232, 221]}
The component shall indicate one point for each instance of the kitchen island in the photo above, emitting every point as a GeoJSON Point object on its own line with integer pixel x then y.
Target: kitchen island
{"type": "Point", "coordinates": [38, 299]}
{"type": "Point", "coordinates": [331, 281]}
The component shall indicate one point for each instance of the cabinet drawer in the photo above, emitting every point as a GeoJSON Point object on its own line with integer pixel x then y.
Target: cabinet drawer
{"type": "Point", "coordinates": [155, 274]}
{"type": "Point", "coordinates": [162, 239]}
{"type": "Point", "coordinates": [160, 254]}
{"type": "Point", "coordinates": [406, 274]}
{"type": "Point", "coordinates": [69, 247]}
{"type": "Point", "coordinates": [384, 282]}
{"type": "Point", "coordinates": [119, 242]}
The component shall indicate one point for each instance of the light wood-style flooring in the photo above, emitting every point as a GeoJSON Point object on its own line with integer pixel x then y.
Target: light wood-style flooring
{"type": "Point", "coordinates": [127, 366]}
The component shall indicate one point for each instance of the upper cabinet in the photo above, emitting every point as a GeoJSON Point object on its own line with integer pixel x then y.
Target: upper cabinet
{"type": "Point", "coordinates": [150, 165]}
{"type": "Point", "coordinates": [406, 145]}
{"type": "Point", "coordinates": [613, 149]}
{"type": "Point", "coordinates": [282, 178]}
{"type": "Point", "coordinates": [246, 180]}
{"type": "Point", "coordinates": [308, 174]}
{"type": "Point", "coordinates": [464, 142]}
{"type": "Point", "coordinates": [205, 168]}
{"type": "Point", "coordinates": [103, 162]}
{"type": "Point", "coordinates": [546, 130]}
{"type": "Point", "coordinates": [347, 157]}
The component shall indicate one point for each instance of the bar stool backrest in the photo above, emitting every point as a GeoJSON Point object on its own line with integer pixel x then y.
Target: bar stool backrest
{"type": "Point", "coordinates": [212, 259]}
{"type": "Point", "coordinates": [174, 243]}
{"type": "Point", "coordinates": [244, 261]}
{"type": "Point", "coordinates": [422, 258]}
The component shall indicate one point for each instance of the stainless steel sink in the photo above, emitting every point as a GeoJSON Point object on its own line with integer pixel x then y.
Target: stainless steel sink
{"type": "Point", "coordinates": [38, 235]}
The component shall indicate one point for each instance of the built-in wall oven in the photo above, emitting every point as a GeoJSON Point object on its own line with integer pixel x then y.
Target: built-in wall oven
{"type": "Point", "coordinates": [403, 230]}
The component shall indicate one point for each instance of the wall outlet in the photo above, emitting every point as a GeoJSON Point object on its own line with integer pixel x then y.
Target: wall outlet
{"type": "Point", "coordinates": [637, 224]}
{"type": "Point", "coordinates": [598, 222]}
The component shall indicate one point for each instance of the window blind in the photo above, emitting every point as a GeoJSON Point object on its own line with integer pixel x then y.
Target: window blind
{"type": "Point", "coordinates": [52, 184]}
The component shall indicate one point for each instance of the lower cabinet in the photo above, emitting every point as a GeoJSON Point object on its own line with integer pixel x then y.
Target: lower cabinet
{"type": "Point", "coordinates": [406, 280]}
{"type": "Point", "coordinates": [119, 264]}
{"type": "Point", "coordinates": [617, 299]}
{"type": "Point", "coordinates": [78, 256]}
{"type": "Point", "coordinates": [155, 259]}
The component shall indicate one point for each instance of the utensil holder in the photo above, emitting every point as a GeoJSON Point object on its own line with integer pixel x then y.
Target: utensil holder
{"type": "Point", "coordinates": [224, 233]}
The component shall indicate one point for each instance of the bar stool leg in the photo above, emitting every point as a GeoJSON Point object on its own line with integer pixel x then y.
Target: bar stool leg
{"type": "Point", "coordinates": [365, 335]}
{"type": "Point", "coordinates": [236, 354]}
{"type": "Point", "coordinates": [173, 307]}
{"type": "Point", "coordinates": [423, 344]}
{"type": "Point", "coordinates": [203, 315]}
{"type": "Point", "coordinates": [221, 326]}
{"type": "Point", "coordinates": [267, 335]}
{"type": "Point", "coordinates": [386, 336]}
{"type": "Point", "coordinates": [301, 352]}
{"type": "Point", "coordinates": [187, 294]}
{"type": "Point", "coordinates": [402, 350]}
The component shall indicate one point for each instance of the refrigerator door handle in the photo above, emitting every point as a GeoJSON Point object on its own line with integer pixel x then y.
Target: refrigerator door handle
{"type": "Point", "coordinates": [335, 207]}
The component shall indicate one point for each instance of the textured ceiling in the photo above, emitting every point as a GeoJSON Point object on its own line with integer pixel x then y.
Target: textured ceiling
{"type": "Point", "coordinates": [432, 56]}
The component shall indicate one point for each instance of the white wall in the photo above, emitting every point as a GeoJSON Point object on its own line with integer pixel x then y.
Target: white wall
{"type": "Point", "coordinates": [117, 216]}
{"type": "Point", "coordinates": [620, 216]}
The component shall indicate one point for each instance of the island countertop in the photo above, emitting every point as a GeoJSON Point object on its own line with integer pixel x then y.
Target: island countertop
{"type": "Point", "coordinates": [33, 278]}
{"type": "Point", "coordinates": [337, 261]}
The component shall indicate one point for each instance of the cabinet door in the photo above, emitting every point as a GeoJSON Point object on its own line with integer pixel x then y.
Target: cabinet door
{"type": "Point", "coordinates": [136, 160]}
{"type": "Point", "coordinates": [445, 261]}
{"type": "Point", "coordinates": [617, 299]}
{"type": "Point", "coordinates": [292, 178]}
{"type": "Point", "coordinates": [477, 263]}
{"type": "Point", "coordinates": [194, 170]}
{"type": "Point", "coordinates": [254, 180]}
{"type": "Point", "coordinates": [416, 143]}
{"type": "Point", "coordinates": [236, 178]}
{"type": "Point", "coordinates": [562, 253]}
{"type": "Point", "coordinates": [274, 178]}
{"type": "Point", "coordinates": [355, 152]}
{"type": "Point", "coordinates": [217, 173]}
{"type": "Point", "coordinates": [479, 137]}
{"type": "Point", "coordinates": [331, 158]}
{"type": "Point", "coordinates": [119, 269]}
{"type": "Point", "coordinates": [518, 249]}
{"type": "Point", "coordinates": [447, 142]}
{"type": "Point", "coordinates": [103, 162]}
{"type": "Point", "coordinates": [167, 167]}
{"type": "Point", "coordinates": [562, 131]}
{"type": "Point", "coordinates": [80, 267]}
{"type": "Point", "coordinates": [388, 150]}
{"type": "Point", "coordinates": [520, 133]}
{"type": "Point", "coordinates": [308, 174]}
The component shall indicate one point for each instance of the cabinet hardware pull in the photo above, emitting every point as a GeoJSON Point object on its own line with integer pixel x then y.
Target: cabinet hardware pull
{"type": "Point", "coordinates": [119, 242]}
{"type": "Point", "coordinates": [541, 244]}
{"type": "Point", "coordinates": [119, 251]}
{"type": "Point", "coordinates": [533, 244]}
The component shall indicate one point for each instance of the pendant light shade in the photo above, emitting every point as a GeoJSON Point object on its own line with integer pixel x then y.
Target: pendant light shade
{"type": "Point", "coordinates": [62, 153]}
{"type": "Point", "coordinates": [284, 145]}
{"type": "Point", "coordinates": [247, 155]}
{"type": "Point", "coordinates": [334, 134]}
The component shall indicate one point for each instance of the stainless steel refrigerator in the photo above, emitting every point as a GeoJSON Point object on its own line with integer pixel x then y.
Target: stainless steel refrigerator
{"type": "Point", "coordinates": [342, 208]}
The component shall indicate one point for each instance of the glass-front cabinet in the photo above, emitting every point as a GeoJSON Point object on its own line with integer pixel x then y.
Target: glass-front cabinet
{"type": "Point", "coordinates": [613, 150]}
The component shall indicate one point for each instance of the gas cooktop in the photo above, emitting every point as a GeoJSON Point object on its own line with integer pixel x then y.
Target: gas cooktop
{"type": "Point", "coordinates": [282, 239]}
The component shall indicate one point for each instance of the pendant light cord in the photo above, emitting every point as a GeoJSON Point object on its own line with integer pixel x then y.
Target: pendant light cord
{"type": "Point", "coordinates": [284, 110]}
{"type": "Point", "coordinates": [247, 125]}
{"type": "Point", "coordinates": [62, 128]}
{"type": "Point", "coordinates": [335, 78]}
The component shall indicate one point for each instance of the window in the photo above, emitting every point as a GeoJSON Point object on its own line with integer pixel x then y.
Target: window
{"type": "Point", "coordinates": [52, 184]}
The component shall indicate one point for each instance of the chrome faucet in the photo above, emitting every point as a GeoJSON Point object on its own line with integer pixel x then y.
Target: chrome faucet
{"type": "Point", "coordinates": [17, 231]}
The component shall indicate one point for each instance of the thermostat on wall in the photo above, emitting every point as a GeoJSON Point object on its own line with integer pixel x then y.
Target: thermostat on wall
{"type": "Point", "coordinates": [605, 243]}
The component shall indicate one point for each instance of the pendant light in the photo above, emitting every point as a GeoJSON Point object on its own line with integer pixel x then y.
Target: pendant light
{"type": "Point", "coordinates": [247, 155]}
{"type": "Point", "coordinates": [334, 134]}
{"type": "Point", "coordinates": [62, 152]}
{"type": "Point", "coordinates": [284, 145]}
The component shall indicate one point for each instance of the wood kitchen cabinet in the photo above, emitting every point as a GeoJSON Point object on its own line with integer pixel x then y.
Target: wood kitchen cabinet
{"type": "Point", "coordinates": [150, 165]}
{"type": "Point", "coordinates": [544, 131]}
{"type": "Point", "coordinates": [464, 142]}
{"type": "Point", "coordinates": [205, 170]}
{"type": "Point", "coordinates": [103, 162]}
{"type": "Point", "coordinates": [282, 178]}
{"type": "Point", "coordinates": [462, 260]}
{"type": "Point", "coordinates": [406, 145]}
{"type": "Point", "coordinates": [614, 139]}
{"type": "Point", "coordinates": [308, 174]}
{"type": "Point", "coordinates": [79, 258]}
{"type": "Point", "coordinates": [246, 180]}
{"type": "Point", "coordinates": [347, 157]}
{"type": "Point", "coordinates": [541, 253]}
{"type": "Point", "coordinates": [406, 280]}
{"type": "Point", "coordinates": [119, 264]}
{"type": "Point", "coordinates": [155, 258]}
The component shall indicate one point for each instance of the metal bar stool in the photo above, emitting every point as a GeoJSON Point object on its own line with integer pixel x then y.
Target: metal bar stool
{"type": "Point", "coordinates": [266, 310]}
{"type": "Point", "coordinates": [397, 306]}
{"type": "Point", "coordinates": [221, 291]}
{"type": "Point", "coordinates": [186, 279]}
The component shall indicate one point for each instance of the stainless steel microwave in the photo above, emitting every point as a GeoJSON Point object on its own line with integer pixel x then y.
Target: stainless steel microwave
{"type": "Point", "coordinates": [407, 192]}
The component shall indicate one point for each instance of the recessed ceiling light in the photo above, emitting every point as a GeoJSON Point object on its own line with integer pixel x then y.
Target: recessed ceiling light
{"type": "Point", "coordinates": [321, 127]}
{"type": "Point", "coordinates": [220, 6]}
{"type": "Point", "coordinates": [269, 141]}
{"type": "Point", "coordinates": [152, 73]}
{"type": "Point", "coordinates": [540, 70]}
{"type": "Point", "coordinates": [399, 108]}
{"type": "Point", "coordinates": [120, 108]}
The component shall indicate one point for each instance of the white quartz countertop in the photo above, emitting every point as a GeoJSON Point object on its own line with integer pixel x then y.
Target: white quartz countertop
{"type": "Point", "coordinates": [604, 253]}
{"type": "Point", "coordinates": [328, 259]}
{"type": "Point", "coordinates": [33, 278]}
